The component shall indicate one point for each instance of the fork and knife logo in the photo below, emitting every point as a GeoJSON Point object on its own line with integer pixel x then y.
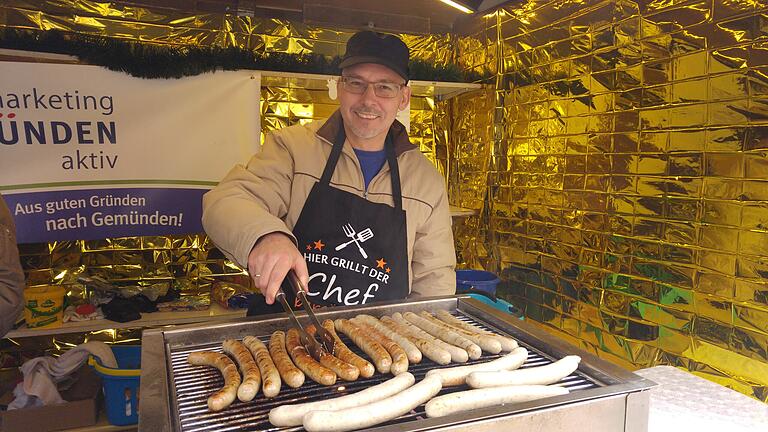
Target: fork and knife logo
{"type": "Point", "coordinates": [357, 238]}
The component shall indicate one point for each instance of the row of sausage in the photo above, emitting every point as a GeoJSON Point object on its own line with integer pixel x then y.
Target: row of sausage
{"type": "Point", "coordinates": [391, 343]}
{"type": "Point", "coordinates": [494, 383]}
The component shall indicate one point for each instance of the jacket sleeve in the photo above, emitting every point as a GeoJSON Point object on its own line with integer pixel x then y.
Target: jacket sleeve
{"type": "Point", "coordinates": [250, 201]}
{"type": "Point", "coordinates": [434, 257]}
{"type": "Point", "coordinates": [11, 273]}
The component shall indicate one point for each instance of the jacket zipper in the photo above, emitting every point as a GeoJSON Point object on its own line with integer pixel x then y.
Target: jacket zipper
{"type": "Point", "coordinates": [360, 170]}
{"type": "Point", "coordinates": [381, 173]}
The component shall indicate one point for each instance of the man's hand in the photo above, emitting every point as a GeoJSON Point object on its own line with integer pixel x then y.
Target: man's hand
{"type": "Point", "coordinates": [269, 261]}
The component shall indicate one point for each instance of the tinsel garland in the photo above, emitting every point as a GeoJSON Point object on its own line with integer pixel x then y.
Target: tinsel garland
{"type": "Point", "coordinates": [149, 60]}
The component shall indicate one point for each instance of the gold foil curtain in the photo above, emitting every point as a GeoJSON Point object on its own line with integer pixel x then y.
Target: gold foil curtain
{"type": "Point", "coordinates": [468, 126]}
{"type": "Point", "coordinates": [627, 191]}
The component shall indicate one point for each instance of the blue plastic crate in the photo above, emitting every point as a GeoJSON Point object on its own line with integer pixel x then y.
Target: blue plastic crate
{"type": "Point", "coordinates": [476, 280]}
{"type": "Point", "coordinates": [121, 385]}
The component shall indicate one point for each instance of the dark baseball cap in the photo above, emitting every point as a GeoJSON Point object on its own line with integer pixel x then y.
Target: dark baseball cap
{"type": "Point", "coordinates": [372, 47]}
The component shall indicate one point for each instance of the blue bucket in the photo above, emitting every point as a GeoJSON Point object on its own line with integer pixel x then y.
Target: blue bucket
{"type": "Point", "coordinates": [121, 385]}
{"type": "Point", "coordinates": [499, 304]}
{"type": "Point", "coordinates": [480, 280]}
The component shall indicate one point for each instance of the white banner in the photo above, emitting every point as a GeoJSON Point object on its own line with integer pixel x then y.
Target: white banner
{"type": "Point", "coordinates": [90, 153]}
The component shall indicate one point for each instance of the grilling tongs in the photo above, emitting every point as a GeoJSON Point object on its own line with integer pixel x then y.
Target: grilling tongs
{"type": "Point", "coordinates": [314, 348]}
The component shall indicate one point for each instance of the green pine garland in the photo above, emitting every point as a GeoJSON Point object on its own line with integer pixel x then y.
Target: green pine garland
{"type": "Point", "coordinates": [148, 60]}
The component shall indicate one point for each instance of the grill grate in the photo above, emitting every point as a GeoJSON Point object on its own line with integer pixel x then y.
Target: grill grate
{"type": "Point", "coordinates": [193, 384]}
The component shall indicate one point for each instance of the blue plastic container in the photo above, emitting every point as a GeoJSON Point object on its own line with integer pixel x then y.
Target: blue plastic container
{"type": "Point", "coordinates": [480, 280]}
{"type": "Point", "coordinates": [499, 304]}
{"type": "Point", "coordinates": [121, 385]}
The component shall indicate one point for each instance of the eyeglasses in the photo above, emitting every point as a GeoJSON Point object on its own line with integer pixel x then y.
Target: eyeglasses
{"type": "Point", "coordinates": [380, 89]}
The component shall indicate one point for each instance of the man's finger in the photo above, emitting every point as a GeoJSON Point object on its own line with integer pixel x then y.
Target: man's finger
{"type": "Point", "coordinates": [256, 277]}
{"type": "Point", "coordinates": [267, 269]}
{"type": "Point", "coordinates": [300, 267]}
{"type": "Point", "coordinates": [276, 276]}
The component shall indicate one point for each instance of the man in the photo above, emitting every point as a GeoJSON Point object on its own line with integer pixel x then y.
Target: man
{"type": "Point", "coordinates": [349, 204]}
{"type": "Point", "coordinates": [11, 274]}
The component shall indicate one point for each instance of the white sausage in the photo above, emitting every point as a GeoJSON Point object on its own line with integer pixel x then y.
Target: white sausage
{"type": "Point", "coordinates": [457, 375]}
{"type": "Point", "coordinates": [398, 354]}
{"type": "Point", "coordinates": [458, 355]}
{"type": "Point", "coordinates": [541, 375]}
{"type": "Point", "coordinates": [413, 353]}
{"type": "Point", "coordinates": [292, 415]}
{"type": "Point", "coordinates": [445, 334]}
{"type": "Point", "coordinates": [485, 342]}
{"type": "Point", "coordinates": [374, 413]}
{"type": "Point", "coordinates": [426, 346]}
{"type": "Point", "coordinates": [475, 399]}
{"type": "Point", "coordinates": [380, 356]}
{"type": "Point", "coordinates": [507, 344]}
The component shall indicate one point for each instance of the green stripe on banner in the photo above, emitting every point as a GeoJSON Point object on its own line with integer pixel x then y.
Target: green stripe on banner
{"type": "Point", "coordinates": [107, 183]}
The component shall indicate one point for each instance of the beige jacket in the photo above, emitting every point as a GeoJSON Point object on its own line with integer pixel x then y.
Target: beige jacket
{"type": "Point", "coordinates": [268, 195]}
{"type": "Point", "coordinates": [11, 274]}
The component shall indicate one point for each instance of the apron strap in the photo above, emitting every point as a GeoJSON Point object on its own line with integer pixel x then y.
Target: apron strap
{"type": "Point", "coordinates": [394, 175]}
{"type": "Point", "coordinates": [333, 158]}
{"type": "Point", "coordinates": [394, 172]}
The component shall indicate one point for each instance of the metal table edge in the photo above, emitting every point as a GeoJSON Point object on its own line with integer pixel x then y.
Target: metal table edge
{"type": "Point", "coordinates": [153, 383]}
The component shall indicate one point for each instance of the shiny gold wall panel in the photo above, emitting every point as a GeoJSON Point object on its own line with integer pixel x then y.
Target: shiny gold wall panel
{"type": "Point", "coordinates": [627, 192]}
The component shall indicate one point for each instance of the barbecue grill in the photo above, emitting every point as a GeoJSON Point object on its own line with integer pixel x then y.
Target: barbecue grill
{"type": "Point", "coordinates": [602, 397]}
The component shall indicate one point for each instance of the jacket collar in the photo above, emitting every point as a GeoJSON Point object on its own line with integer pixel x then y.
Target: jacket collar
{"type": "Point", "coordinates": [330, 129]}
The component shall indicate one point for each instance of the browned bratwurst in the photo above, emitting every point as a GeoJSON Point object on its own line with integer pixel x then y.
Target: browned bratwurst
{"type": "Point", "coordinates": [269, 374]}
{"type": "Point", "coordinates": [288, 371]}
{"type": "Point", "coordinates": [344, 370]}
{"type": "Point", "coordinates": [305, 362]}
{"type": "Point", "coordinates": [224, 397]}
{"type": "Point", "coordinates": [345, 354]}
{"type": "Point", "coordinates": [251, 376]}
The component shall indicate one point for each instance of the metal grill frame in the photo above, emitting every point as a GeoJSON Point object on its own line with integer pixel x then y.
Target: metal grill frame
{"type": "Point", "coordinates": [158, 409]}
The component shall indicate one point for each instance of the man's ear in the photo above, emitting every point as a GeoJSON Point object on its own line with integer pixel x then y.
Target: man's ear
{"type": "Point", "coordinates": [406, 98]}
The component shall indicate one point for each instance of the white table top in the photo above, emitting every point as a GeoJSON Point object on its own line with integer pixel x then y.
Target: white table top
{"type": "Point", "coordinates": [685, 402]}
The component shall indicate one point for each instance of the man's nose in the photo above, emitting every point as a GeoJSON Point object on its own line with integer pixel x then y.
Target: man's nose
{"type": "Point", "coordinates": [369, 92]}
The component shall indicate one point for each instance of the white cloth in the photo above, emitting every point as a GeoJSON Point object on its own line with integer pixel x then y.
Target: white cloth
{"type": "Point", "coordinates": [41, 374]}
{"type": "Point", "coordinates": [685, 402]}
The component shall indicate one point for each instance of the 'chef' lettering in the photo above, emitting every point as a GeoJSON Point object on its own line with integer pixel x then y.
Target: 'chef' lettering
{"type": "Point", "coordinates": [352, 297]}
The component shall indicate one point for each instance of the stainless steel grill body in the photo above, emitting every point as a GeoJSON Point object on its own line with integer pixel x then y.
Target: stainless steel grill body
{"type": "Point", "coordinates": [173, 394]}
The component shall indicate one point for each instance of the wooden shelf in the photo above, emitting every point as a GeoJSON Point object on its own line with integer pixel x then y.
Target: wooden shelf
{"type": "Point", "coordinates": [154, 319]}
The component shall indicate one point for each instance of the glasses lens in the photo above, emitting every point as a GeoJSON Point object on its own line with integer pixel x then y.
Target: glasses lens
{"type": "Point", "coordinates": [386, 90]}
{"type": "Point", "coordinates": [358, 86]}
{"type": "Point", "coordinates": [353, 85]}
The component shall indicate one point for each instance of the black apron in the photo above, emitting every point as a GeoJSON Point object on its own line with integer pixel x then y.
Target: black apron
{"type": "Point", "coordinates": [356, 250]}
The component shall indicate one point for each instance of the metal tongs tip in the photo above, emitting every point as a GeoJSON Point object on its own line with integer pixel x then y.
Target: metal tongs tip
{"type": "Point", "coordinates": [327, 342]}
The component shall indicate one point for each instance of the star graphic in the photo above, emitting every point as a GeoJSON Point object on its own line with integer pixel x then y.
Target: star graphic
{"type": "Point", "coordinates": [380, 263]}
{"type": "Point", "coordinates": [309, 247]}
{"type": "Point", "coordinates": [389, 269]}
{"type": "Point", "coordinates": [319, 245]}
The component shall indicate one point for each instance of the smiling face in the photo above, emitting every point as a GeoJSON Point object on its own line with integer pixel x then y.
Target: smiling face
{"type": "Point", "coordinates": [367, 117]}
